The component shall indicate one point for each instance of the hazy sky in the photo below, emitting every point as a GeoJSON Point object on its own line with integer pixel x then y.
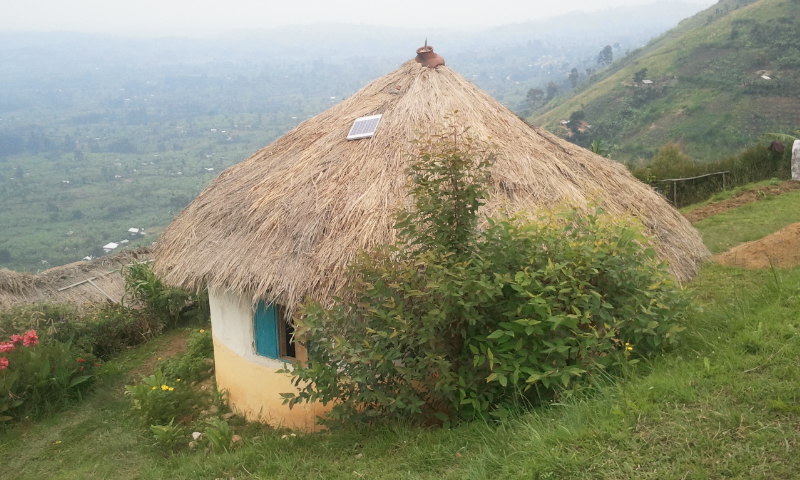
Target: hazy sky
{"type": "Point", "coordinates": [199, 16]}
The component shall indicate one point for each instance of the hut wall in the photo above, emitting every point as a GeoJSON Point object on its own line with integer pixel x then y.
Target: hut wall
{"type": "Point", "coordinates": [252, 382]}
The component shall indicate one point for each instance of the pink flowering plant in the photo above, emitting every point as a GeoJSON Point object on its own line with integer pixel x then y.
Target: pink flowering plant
{"type": "Point", "coordinates": [36, 378]}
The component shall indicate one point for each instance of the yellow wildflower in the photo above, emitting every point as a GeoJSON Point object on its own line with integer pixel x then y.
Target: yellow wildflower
{"type": "Point", "coordinates": [202, 330]}
{"type": "Point", "coordinates": [177, 379]}
{"type": "Point", "coordinates": [171, 388]}
{"type": "Point", "coordinates": [164, 387]}
{"type": "Point", "coordinates": [153, 388]}
{"type": "Point", "coordinates": [628, 347]}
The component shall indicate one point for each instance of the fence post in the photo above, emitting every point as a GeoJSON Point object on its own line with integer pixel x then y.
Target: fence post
{"type": "Point", "coordinates": [796, 160]}
{"type": "Point", "coordinates": [675, 193]}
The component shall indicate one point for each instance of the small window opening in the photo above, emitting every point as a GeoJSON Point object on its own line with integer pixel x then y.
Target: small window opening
{"type": "Point", "coordinates": [287, 339]}
{"type": "Point", "coordinates": [273, 334]}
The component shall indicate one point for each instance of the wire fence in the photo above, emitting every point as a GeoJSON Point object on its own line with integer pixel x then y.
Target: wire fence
{"type": "Point", "coordinates": [715, 181]}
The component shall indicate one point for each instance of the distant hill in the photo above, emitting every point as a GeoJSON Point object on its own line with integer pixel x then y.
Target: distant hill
{"type": "Point", "coordinates": [714, 84]}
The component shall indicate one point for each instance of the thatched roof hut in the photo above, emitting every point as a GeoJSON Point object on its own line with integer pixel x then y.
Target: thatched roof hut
{"type": "Point", "coordinates": [285, 223]}
{"type": "Point", "coordinates": [78, 283]}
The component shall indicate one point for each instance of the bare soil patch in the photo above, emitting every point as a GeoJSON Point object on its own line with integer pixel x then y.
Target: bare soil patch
{"type": "Point", "coordinates": [779, 250]}
{"type": "Point", "coordinates": [740, 199]}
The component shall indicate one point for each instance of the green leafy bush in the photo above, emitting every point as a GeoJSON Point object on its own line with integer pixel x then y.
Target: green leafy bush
{"type": "Point", "coordinates": [456, 321]}
{"type": "Point", "coordinates": [172, 393]}
{"type": "Point", "coordinates": [160, 400]}
{"type": "Point", "coordinates": [42, 317]}
{"type": "Point", "coordinates": [37, 378]}
{"type": "Point", "coordinates": [197, 363]}
{"type": "Point", "coordinates": [115, 328]}
{"type": "Point", "coordinates": [219, 434]}
{"type": "Point", "coordinates": [172, 304]}
{"type": "Point", "coordinates": [103, 330]}
{"type": "Point", "coordinates": [169, 436]}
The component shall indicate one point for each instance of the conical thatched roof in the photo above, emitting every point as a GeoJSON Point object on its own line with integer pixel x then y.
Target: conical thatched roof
{"type": "Point", "coordinates": [285, 223]}
{"type": "Point", "coordinates": [77, 283]}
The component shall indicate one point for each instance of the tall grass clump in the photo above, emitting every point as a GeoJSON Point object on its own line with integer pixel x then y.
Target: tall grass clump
{"type": "Point", "coordinates": [455, 321]}
{"type": "Point", "coordinates": [174, 305]}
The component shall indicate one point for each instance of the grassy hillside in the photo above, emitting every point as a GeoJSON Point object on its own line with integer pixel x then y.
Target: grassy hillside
{"type": "Point", "coordinates": [719, 80]}
{"type": "Point", "coordinates": [724, 404]}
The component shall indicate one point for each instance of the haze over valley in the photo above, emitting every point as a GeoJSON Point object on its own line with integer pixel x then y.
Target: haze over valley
{"type": "Point", "coordinates": [101, 133]}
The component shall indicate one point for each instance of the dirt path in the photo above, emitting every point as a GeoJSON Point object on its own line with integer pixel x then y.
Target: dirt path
{"type": "Point", "coordinates": [175, 345]}
{"type": "Point", "coordinates": [742, 198]}
{"type": "Point", "coordinates": [780, 249]}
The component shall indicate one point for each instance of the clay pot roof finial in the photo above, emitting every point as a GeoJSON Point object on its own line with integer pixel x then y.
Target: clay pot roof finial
{"type": "Point", "coordinates": [427, 57]}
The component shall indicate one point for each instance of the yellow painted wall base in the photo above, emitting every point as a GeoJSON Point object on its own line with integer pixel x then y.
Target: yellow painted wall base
{"type": "Point", "coordinates": [254, 392]}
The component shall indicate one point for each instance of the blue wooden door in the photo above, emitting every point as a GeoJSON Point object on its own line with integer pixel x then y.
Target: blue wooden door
{"type": "Point", "coordinates": [266, 330]}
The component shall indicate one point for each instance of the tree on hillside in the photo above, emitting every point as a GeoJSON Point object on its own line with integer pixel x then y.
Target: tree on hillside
{"type": "Point", "coordinates": [573, 77]}
{"type": "Point", "coordinates": [534, 97]}
{"type": "Point", "coordinates": [576, 118]}
{"type": "Point", "coordinates": [640, 75]}
{"type": "Point", "coordinates": [669, 162]}
{"type": "Point", "coordinates": [605, 57]}
{"type": "Point", "coordinates": [552, 90]}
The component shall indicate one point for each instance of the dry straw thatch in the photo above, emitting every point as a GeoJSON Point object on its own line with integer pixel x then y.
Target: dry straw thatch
{"type": "Point", "coordinates": [284, 224]}
{"type": "Point", "coordinates": [77, 283]}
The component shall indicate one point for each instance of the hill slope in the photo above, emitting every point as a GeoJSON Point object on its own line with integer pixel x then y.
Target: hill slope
{"type": "Point", "coordinates": [714, 83]}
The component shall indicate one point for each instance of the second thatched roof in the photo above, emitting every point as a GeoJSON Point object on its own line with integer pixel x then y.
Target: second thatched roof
{"type": "Point", "coordinates": [284, 224]}
{"type": "Point", "coordinates": [78, 283]}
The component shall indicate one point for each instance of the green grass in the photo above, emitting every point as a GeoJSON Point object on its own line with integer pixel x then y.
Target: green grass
{"type": "Point", "coordinates": [749, 222]}
{"type": "Point", "coordinates": [724, 404]}
{"type": "Point", "coordinates": [729, 193]}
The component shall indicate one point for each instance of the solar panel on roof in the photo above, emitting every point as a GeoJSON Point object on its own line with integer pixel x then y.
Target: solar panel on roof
{"type": "Point", "coordinates": [364, 127]}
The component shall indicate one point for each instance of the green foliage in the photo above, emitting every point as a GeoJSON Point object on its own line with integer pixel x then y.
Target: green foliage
{"type": "Point", "coordinates": [43, 317]}
{"type": "Point", "coordinates": [600, 147]}
{"type": "Point", "coordinates": [449, 177]}
{"type": "Point", "coordinates": [177, 397]}
{"type": "Point", "coordinates": [197, 363]}
{"type": "Point", "coordinates": [219, 435]}
{"type": "Point", "coordinates": [103, 330]}
{"type": "Point", "coordinates": [170, 303]}
{"type": "Point", "coordinates": [114, 328]}
{"type": "Point", "coordinates": [670, 162]}
{"type": "Point", "coordinates": [159, 400]}
{"type": "Point", "coordinates": [605, 57]}
{"type": "Point", "coordinates": [751, 165]}
{"type": "Point", "coordinates": [512, 313]}
{"type": "Point", "coordinates": [37, 378]}
{"type": "Point", "coordinates": [169, 436]}
{"type": "Point", "coordinates": [54, 373]}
